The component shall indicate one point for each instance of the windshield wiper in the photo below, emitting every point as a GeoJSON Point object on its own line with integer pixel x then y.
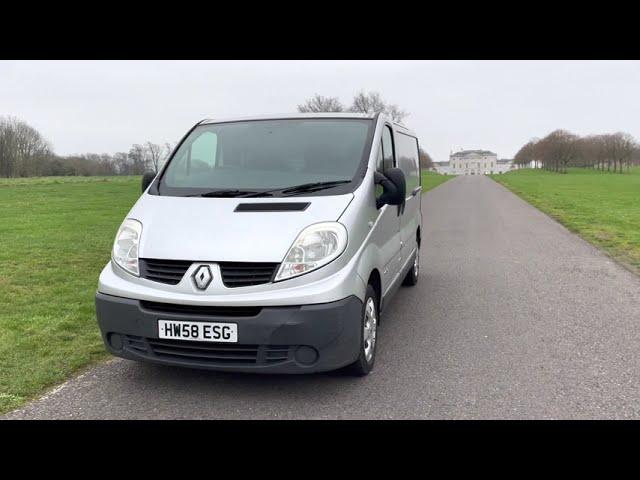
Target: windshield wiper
{"type": "Point", "coordinates": [287, 191]}
{"type": "Point", "coordinates": [313, 187]}
{"type": "Point", "coordinates": [226, 193]}
{"type": "Point", "coordinates": [296, 189]}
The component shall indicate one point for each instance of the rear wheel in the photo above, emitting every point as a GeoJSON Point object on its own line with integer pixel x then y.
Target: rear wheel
{"type": "Point", "coordinates": [368, 333]}
{"type": "Point", "coordinates": [412, 275]}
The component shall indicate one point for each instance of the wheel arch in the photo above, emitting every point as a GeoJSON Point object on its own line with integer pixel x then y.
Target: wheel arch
{"type": "Point", "coordinates": [376, 282]}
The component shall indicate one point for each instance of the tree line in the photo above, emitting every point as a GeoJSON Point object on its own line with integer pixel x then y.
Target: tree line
{"type": "Point", "coordinates": [615, 152]}
{"type": "Point", "coordinates": [24, 152]}
{"type": "Point", "coordinates": [371, 102]}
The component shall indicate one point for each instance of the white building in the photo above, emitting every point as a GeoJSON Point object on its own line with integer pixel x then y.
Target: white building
{"type": "Point", "coordinates": [473, 162]}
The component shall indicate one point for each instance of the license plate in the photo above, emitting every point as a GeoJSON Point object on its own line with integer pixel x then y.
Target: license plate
{"type": "Point", "coordinates": [198, 331]}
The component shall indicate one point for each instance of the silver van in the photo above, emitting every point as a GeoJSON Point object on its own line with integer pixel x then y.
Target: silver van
{"type": "Point", "coordinates": [267, 244]}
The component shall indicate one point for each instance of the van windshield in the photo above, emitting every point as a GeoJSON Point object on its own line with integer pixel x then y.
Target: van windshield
{"type": "Point", "coordinates": [264, 157]}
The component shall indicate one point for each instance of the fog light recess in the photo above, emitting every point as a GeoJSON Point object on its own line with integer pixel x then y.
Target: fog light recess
{"type": "Point", "coordinates": [115, 341]}
{"type": "Point", "coordinates": [306, 355]}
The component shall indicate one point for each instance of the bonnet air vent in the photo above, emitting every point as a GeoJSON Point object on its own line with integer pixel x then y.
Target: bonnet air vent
{"type": "Point", "coordinates": [272, 207]}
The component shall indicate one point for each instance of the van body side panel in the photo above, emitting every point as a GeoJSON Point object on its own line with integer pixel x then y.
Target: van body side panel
{"type": "Point", "coordinates": [408, 161]}
{"type": "Point", "coordinates": [381, 244]}
{"type": "Point", "coordinates": [381, 247]}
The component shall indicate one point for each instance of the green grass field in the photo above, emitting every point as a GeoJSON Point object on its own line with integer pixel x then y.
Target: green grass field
{"type": "Point", "coordinates": [431, 180]}
{"type": "Point", "coordinates": [56, 235]}
{"type": "Point", "coordinates": [603, 208]}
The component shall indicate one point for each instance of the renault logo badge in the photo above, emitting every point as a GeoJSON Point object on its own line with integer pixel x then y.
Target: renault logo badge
{"type": "Point", "coordinates": [202, 277]}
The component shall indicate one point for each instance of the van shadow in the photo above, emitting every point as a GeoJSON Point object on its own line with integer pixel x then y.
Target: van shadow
{"type": "Point", "coordinates": [237, 384]}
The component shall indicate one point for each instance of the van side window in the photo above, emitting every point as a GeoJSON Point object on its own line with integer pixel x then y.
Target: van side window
{"type": "Point", "coordinates": [199, 158]}
{"type": "Point", "coordinates": [380, 169]}
{"type": "Point", "coordinates": [408, 160]}
{"type": "Point", "coordinates": [203, 151]}
{"type": "Point", "coordinates": [387, 148]}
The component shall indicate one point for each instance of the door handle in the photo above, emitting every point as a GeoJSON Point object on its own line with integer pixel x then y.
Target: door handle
{"type": "Point", "coordinates": [415, 191]}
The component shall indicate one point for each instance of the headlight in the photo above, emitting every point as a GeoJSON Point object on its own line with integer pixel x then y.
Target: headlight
{"type": "Point", "coordinates": [125, 248]}
{"type": "Point", "coordinates": [316, 246]}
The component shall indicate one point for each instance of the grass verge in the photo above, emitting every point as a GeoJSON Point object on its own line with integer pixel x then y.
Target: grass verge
{"type": "Point", "coordinates": [55, 237]}
{"type": "Point", "coordinates": [431, 180]}
{"type": "Point", "coordinates": [603, 208]}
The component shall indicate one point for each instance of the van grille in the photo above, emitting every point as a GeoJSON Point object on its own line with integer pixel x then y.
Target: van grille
{"type": "Point", "coordinates": [163, 271]}
{"type": "Point", "coordinates": [204, 310]}
{"type": "Point", "coordinates": [243, 274]}
{"type": "Point", "coordinates": [234, 274]}
{"type": "Point", "coordinates": [208, 353]}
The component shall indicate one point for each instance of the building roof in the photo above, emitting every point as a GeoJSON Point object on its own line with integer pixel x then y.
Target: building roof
{"type": "Point", "coordinates": [464, 153]}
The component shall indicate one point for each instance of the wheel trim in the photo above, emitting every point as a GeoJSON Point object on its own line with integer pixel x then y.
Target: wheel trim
{"type": "Point", "coordinates": [370, 326]}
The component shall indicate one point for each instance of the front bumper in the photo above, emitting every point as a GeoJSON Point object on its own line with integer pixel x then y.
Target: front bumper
{"type": "Point", "coordinates": [289, 339]}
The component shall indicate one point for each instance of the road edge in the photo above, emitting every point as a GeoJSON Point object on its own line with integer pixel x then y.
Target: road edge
{"type": "Point", "coordinates": [618, 261]}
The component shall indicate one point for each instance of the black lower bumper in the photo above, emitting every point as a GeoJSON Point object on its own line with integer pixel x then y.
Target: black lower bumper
{"type": "Point", "coordinates": [300, 339]}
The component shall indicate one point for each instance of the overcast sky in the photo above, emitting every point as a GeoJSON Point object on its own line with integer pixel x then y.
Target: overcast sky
{"type": "Point", "coordinates": [105, 106]}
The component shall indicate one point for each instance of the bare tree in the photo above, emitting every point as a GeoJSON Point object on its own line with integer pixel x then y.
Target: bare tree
{"type": "Point", "coordinates": [318, 103]}
{"type": "Point", "coordinates": [635, 156]}
{"type": "Point", "coordinates": [138, 159]}
{"type": "Point", "coordinates": [155, 154]}
{"type": "Point", "coordinates": [168, 150]}
{"type": "Point", "coordinates": [561, 149]}
{"type": "Point", "coordinates": [589, 151]}
{"type": "Point", "coordinates": [426, 161]}
{"type": "Point", "coordinates": [121, 163]}
{"type": "Point", "coordinates": [367, 103]}
{"type": "Point", "coordinates": [527, 155]}
{"type": "Point", "coordinates": [396, 114]}
{"type": "Point", "coordinates": [557, 150]}
{"type": "Point", "coordinates": [23, 150]}
{"type": "Point", "coordinates": [620, 148]}
{"type": "Point", "coordinates": [372, 102]}
{"type": "Point", "coordinates": [566, 148]}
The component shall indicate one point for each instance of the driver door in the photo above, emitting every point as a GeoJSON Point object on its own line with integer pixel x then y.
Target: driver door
{"type": "Point", "coordinates": [389, 221]}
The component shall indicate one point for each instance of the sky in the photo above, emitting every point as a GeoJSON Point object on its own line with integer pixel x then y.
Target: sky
{"type": "Point", "coordinates": [106, 106]}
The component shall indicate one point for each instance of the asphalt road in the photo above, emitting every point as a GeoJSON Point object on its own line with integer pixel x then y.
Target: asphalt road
{"type": "Point", "coordinates": [513, 317]}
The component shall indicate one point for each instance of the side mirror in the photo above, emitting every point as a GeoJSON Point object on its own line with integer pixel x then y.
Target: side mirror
{"type": "Point", "coordinates": [147, 178]}
{"type": "Point", "coordinates": [394, 187]}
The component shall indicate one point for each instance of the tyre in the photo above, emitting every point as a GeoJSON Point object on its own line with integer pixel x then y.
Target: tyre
{"type": "Point", "coordinates": [368, 333]}
{"type": "Point", "coordinates": [412, 275]}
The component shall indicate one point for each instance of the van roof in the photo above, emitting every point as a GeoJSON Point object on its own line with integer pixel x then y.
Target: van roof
{"type": "Point", "coordinates": [282, 116]}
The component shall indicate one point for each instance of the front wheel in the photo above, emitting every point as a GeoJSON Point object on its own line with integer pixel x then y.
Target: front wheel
{"type": "Point", "coordinates": [369, 330]}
